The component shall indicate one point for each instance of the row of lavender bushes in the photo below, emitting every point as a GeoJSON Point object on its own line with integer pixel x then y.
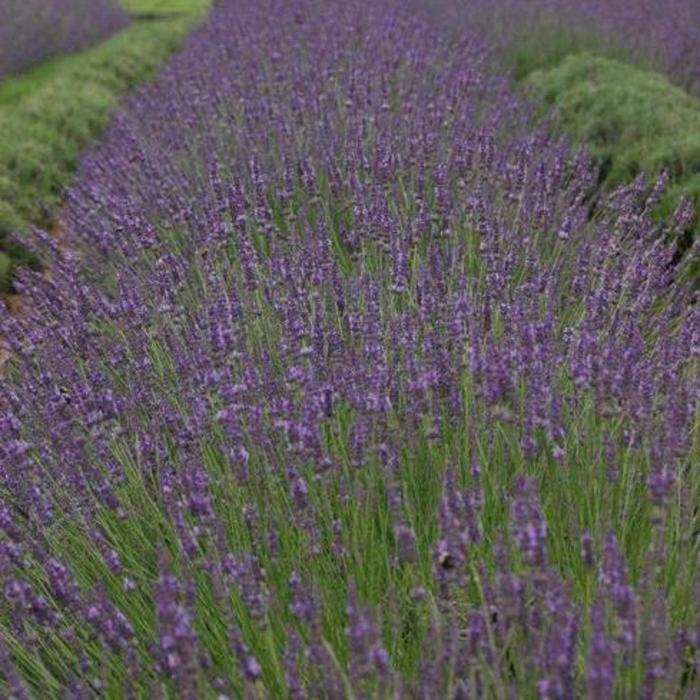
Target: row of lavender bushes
{"type": "Point", "coordinates": [33, 30]}
{"type": "Point", "coordinates": [664, 36]}
{"type": "Point", "coordinates": [336, 391]}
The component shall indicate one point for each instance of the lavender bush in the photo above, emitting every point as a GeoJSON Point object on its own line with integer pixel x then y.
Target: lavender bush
{"type": "Point", "coordinates": [337, 391]}
{"type": "Point", "coordinates": [33, 30]}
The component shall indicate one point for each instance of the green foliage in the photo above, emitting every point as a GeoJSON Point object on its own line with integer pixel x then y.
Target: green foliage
{"type": "Point", "coordinates": [631, 120]}
{"type": "Point", "coordinates": [5, 266]}
{"type": "Point", "coordinates": [165, 6]}
{"type": "Point", "coordinates": [48, 115]}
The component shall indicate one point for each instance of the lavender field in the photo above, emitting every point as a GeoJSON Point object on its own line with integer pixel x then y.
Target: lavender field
{"type": "Point", "coordinates": [32, 30]}
{"type": "Point", "coordinates": [336, 388]}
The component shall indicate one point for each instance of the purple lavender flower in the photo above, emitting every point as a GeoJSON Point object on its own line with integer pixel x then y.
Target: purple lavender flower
{"type": "Point", "coordinates": [529, 527]}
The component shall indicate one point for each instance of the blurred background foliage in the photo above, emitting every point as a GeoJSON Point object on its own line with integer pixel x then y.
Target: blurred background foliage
{"type": "Point", "coordinates": [49, 114]}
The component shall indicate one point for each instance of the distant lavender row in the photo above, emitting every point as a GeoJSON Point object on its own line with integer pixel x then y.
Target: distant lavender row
{"type": "Point", "coordinates": [33, 30]}
{"type": "Point", "coordinates": [667, 35]}
{"type": "Point", "coordinates": [343, 395]}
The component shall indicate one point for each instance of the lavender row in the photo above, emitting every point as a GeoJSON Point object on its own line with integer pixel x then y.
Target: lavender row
{"type": "Point", "coordinates": [33, 30]}
{"type": "Point", "coordinates": [338, 391]}
{"type": "Point", "coordinates": [669, 41]}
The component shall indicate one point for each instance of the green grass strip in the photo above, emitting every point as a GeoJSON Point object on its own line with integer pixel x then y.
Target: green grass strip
{"type": "Point", "coordinates": [47, 116]}
{"type": "Point", "coordinates": [165, 6]}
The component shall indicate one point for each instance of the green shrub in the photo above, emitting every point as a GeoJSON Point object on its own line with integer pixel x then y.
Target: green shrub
{"type": "Point", "coordinates": [631, 120]}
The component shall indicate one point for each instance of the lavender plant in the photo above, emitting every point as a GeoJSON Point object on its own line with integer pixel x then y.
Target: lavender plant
{"type": "Point", "coordinates": [33, 30]}
{"type": "Point", "coordinates": [338, 391]}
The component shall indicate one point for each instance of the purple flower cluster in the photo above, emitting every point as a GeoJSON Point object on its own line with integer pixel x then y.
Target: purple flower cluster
{"type": "Point", "coordinates": [337, 390]}
{"type": "Point", "coordinates": [33, 30]}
